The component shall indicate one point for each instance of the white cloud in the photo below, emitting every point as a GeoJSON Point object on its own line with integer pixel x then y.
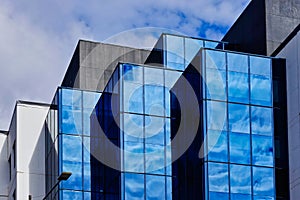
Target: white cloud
{"type": "Point", "coordinates": [38, 37]}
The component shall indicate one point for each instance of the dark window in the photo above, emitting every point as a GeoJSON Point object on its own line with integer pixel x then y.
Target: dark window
{"type": "Point", "coordinates": [14, 155]}
{"type": "Point", "coordinates": [9, 167]}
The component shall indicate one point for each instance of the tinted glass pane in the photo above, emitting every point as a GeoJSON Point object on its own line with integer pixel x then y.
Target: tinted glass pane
{"type": "Point", "coordinates": [211, 44]}
{"type": "Point", "coordinates": [155, 159]}
{"type": "Point", "coordinates": [72, 161]}
{"type": "Point", "coordinates": [260, 65]}
{"type": "Point", "coordinates": [154, 100]}
{"type": "Point", "coordinates": [133, 97]}
{"type": "Point", "coordinates": [216, 115]}
{"type": "Point", "coordinates": [71, 120]}
{"type": "Point", "coordinates": [67, 194]}
{"type": "Point", "coordinates": [240, 197]}
{"type": "Point", "coordinates": [262, 198]}
{"type": "Point", "coordinates": [90, 99]}
{"type": "Point", "coordinates": [218, 195]}
{"type": "Point", "coordinates": [134, 186]}
{"type": "Point", "coordinates": [262, 150]}
{"type": "Point", "coordinates": [217, 146]}
{"type": "Point", "coordinates": [215, 84]}
{"type": "Point", "coordinates": [192, 47]}
{"type": "Point", "coordinates": [263, 181]}
{"type": "Point", "coordinates": [215, 59]}
{"type": "Point", "coordinates": [218, 177]}
{"type": "Point", "coordinates": [155, 187]}
{"type": "Point", "coordinates": [239, 118]}
{"type": "Point", "coordinates": [132, 73]}
{"type": "Point", "coordinates": [133, 127]}
{"type": "Point", "coordinates": [171, 78]}
{"type": "Point", "coordinates": [133, 157]}
{"type": "Point", "coordinates": [238, 87]}
{"type": "Point", "coordinates": [261, 90]}
{"type": "Point", "coordinates": [261, 120]}
{"type": "Point", "coordinates": [154, 130]}
{"type": "Point", "coordinates": [87, 164]}
{"type": "Point", "coordinates": [240, 179]}
{"type": "Point", "coordinates": [175, 52]}
{"type": "Point", "coordinates": [239, 148]}
{"type": "Point", "coordinates": [71, 97]}
{"type": "Point", "coordinates": [237, 62]}
{"type": "Point", "coordinates": [153, 76]}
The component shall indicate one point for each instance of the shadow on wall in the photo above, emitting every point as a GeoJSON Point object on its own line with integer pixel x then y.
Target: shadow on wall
{"type": "Point", "coordinates": [4, 170]}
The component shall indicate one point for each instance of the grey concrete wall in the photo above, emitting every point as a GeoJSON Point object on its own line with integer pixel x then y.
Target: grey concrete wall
{"type": "Point", "coordinates": [282, 17]}
{"type": "Point", "coordinates": [292, 54]}
{"type": "Point", "coordinates": [93, 63]}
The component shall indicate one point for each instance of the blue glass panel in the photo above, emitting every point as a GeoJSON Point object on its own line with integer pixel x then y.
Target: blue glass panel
{"type": "Point", "coordinates": [132, 73]}
{"type": "Point", "coordinates": [153, 76]}
{"type": "Point", "coordinates": [134, 186]}
{"type": "Point", "coordinates": [74, 195]}
{"type": "Point", "coordinates": [216, 84]}
{"type": "Point", "coordinates": [155, 159]}
{"type": "Point", "coordinates": [239, 148]}
{"type": "Point", "coordinates": [238, 87]}
{"type": "Point", "coordinates": [218, 177]}
{"type": "Point", "coordinates": [263, 198]}
{"type": "Point", "coordinates": [215, 59]}
{"type": "Point", "coordinates": [133, 128]}
{"type": "Point", "coordinates": [261, 120]}
{"type": "Point", "coordinates": [263, 181]}
{"type": "Point", "coordinates": [211, 44]}
{"type": "Point", "coordinates": [217, 146]}
{"type": "Point", "coordinates": [240, 179]}
{"type": "Point", "coordinates": [133, 97]}
{"type": "Point", "coordinates": [237, 62]}
{"type": "Point", "coordinates": [90, 99]}
{"type": "Point", "coordinates": [260, 65]}
{"type": "Point", "coordinates": [169, 188]}
{"type": "Point", "coordinates": [154, 130]}
{"type": "Point", "coordinates": [240, 197]}
{"type": "Point", "coordinates": [154, 100]}
{"type": "Point", "coordinates": [262, 150]}
{"type": "Point", "coordinates": [239, 118]}
{"type": "Point", "coordinates": [216, 115]}
{"type": "Point", "coordinates": [155, 187]}
{"type": "Point", "coordinates": [87, 196]}
{"type": "Point", "coordinates": [86, 164]}
{"type": "Point", "coordinates": [168, 147]}
{"type": "Point", "coordinates": [71, 120]}
{"type": "Point", "coordinates": [218, 196]}
{"type": "Point", "coordinates": [133, 157]}
{"type": "Point", "coordinates": [86, 120]}
{"type": "Point", "coordinates": [71, 97]}
{"type": "Point", "coordinates": [261, 90]}
{"type": "Point", "coordinates": [192, 47]}
{"type": "Point", "coordinates": [175, 52]}
{"type": "Point", "coordinates": [72, 161]}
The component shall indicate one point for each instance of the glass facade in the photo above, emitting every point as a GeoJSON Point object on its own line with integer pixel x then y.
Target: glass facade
{"type": "Point", "coordinates": [122, 143]}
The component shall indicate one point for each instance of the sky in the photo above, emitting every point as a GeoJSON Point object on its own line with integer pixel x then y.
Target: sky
{"type": "Point", "coordinates": [38, 38]}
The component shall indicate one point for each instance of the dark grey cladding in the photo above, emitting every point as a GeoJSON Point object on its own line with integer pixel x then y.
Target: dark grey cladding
{"type": "Point", "coordinates": [93, 64]}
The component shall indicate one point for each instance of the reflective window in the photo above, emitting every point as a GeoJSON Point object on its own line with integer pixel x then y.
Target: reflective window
{"type": "Point", "coordinates": [134, 186]}
{"type": "Point", "coordinates": [153, 76]}
{"type": "Point", "coordinates": [215, 59]}
{"type": "Point", "coordinates": [211, 44]}
{"type": "Point", "coordinates": [261, 120]}
{"type": "Point", "coordinates": [171, 77]}
{"type": "Point", "coordinates": [263, 181]}
{"type": "Point", "coordinates": [155, 187]}
{"type": "Point", "coordinates": [217, 146]}
{"type": "Point", "coordinates": [155, 159]}
{"type": "Point", "coordinates": [215, 84]}
{"type": "Point", "coordinates": [175, 52]}
{"type": "Point", "coordinates": [71, 120]}
{"type": "Point", "coordinates": [132, 73]}
{"type": "Point", "coordinates": [218, 195]}
{"type": "Point", "coordinates": [67, 194]}
{"type": "Point", "coordinates": [154, 100]}
{"type": "Point", "coordinates": [260, 65]}
{"type": "Point", "coordinates": [72, 161]}
{"type": "Point", "coordinates": [71, 97]}
{"type": "Point", "coordinates": [218, 177]}
{"type": "Point", "coordinates": [239, 148]}
{"type": "Point", "coordinates": [240, 179]}
{"type": "Point", "coordinates": [238, 87]}
{"type": "Point", "coordinates": [133, 97]}
{"type": "Point", "coordinates": [133, 127]}
{"type": "Point", "coordinates": [240, 196]}
{"type": "Point", "coordinates": [134, 157]}
{"type": "Point", "coordinates": [216, 115]}
{"type": "Point", "coordinates": [261, 90]}
{"type": "Point", "coordinates": [237, 62]}
{"type": "Point", "coordinates": [239, 118]}
{"type": "Point", "coordinates": [262, 150]}
{"type": "Point", "coordinates": [192, 47]}
{"type": "Point", "coordinates": [154, 130]}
